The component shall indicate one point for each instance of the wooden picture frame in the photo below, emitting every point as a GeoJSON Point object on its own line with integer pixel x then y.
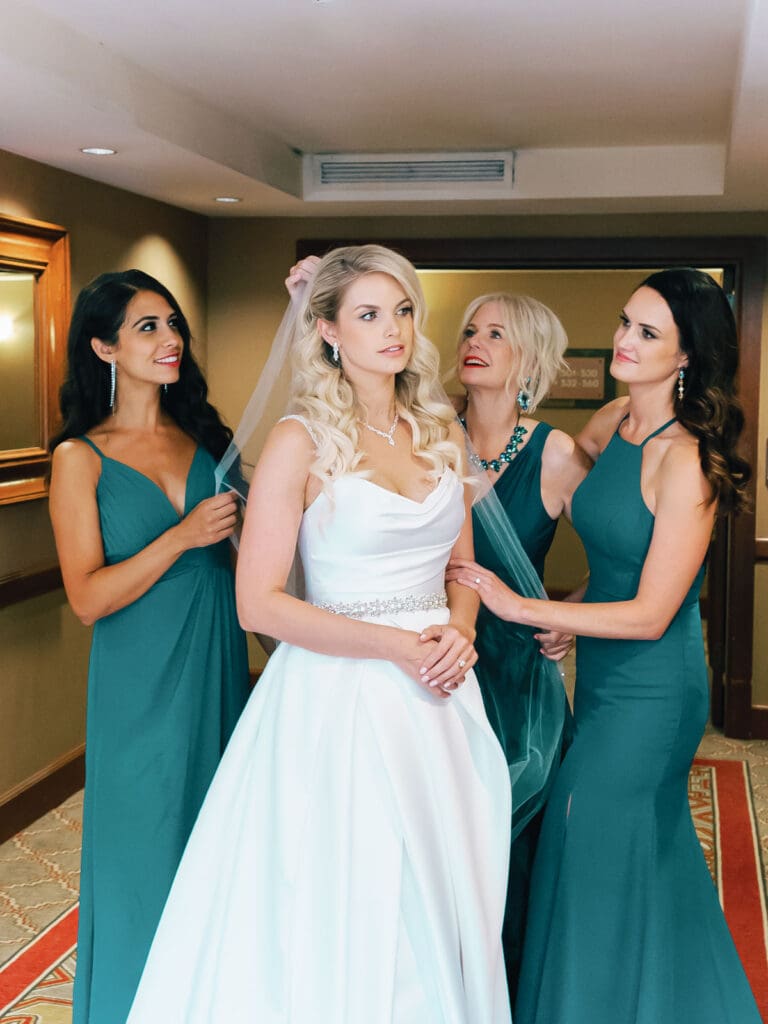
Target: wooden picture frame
{"type": "Point", "coordinates": [42, 250]}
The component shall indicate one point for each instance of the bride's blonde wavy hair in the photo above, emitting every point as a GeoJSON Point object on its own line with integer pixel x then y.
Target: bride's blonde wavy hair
{"type": "Point", "coordinates": [321, 392]}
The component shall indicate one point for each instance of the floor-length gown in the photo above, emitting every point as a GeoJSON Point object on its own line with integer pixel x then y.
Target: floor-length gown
{"type": "Point", "coordinates": [349, 864]}
{"type": "Point", "coordinates": [624, 923]}
{"type": "Point", "coordinates": [507, 656]}
{"type": "Point", "coordinates": [168, 678]}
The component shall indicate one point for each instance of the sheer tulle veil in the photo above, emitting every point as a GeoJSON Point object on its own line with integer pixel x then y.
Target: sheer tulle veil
{"type": "Point", "coordinates": [541, 733]}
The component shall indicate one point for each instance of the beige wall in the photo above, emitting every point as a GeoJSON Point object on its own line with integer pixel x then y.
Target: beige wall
{"type": "Point", "coordinates": [249, 258]}
{"type": "Point", "coordinates": [43, 649]}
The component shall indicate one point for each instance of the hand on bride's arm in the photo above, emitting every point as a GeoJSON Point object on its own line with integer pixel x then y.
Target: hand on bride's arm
{"type": "Point", "coordinates": [494, 594]}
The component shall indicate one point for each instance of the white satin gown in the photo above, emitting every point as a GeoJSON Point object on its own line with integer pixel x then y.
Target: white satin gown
{"type": "Point", "coordinates": [349, 864]}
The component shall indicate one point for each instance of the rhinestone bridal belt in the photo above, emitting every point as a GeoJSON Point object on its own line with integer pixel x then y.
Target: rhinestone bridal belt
{"type": "Point", "coordinates": [387, 605]}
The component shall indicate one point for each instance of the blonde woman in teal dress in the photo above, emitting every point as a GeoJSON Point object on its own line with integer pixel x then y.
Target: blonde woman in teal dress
{"type": "Point", "coordinates": [624, 923]}
{"type": "Point", "coordinates": [510, 349]}
{"type": "Point", "coordinates": [142, 541]}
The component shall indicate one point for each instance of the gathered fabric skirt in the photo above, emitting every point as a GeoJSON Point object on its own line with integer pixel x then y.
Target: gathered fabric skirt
{"type": "Point", "coordinates": [349, 863]}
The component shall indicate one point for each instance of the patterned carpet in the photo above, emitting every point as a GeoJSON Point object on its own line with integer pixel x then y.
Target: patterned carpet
{"type": "Point", "coordinates": [39, 875]}
{"type": "Point", "coordinates": [39, 880]}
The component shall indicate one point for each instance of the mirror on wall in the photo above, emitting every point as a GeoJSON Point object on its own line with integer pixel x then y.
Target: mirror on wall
{"type": "Point", "coordinates": [18, 420]}
{"type": "Point", "coordinates": [34, 314]}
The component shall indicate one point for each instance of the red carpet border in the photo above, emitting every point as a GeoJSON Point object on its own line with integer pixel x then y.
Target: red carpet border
{"type": "Point", "coordinates": [31, 965]}
{"type": "Point", "coordinates": [739, 871]}
{"type": "Point", "coordinates": [721, 803]}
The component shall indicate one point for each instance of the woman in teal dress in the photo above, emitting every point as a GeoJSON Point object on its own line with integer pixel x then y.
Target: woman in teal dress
{"type": "Point", "coordinates": [624, 922]}
{"type": "Point", "coordinates": [510, 350]}
{"type": "Point", "coordinates": [142, 541]}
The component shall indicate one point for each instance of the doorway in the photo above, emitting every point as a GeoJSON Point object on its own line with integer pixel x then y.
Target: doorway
{"type": "Point", "coordinates": [738, 553]}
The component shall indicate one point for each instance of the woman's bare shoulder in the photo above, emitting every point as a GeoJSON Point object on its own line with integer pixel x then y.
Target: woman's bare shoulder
{"type": "Point", "coordinates": [593, 437]}
{"type": "Point", "coordinates": [560, 450]}
{"type": "Point", "coordinates": [75, 456]}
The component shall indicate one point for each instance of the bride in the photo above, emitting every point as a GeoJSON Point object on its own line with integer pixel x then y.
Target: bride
{"type": "Point", "coordinates": [349, 863]}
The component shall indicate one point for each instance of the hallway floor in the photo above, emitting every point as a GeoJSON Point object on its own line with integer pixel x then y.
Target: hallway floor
{"type": "Point", "coordinates": [39, 868]}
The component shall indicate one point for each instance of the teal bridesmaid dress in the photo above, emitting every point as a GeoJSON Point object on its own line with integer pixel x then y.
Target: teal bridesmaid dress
{"type": "Point", "coordinates": [167, 681]}
{"type": "Point", "coordinates": [624, 923]}
{"type": "Point", "coordinates": [506, 667]}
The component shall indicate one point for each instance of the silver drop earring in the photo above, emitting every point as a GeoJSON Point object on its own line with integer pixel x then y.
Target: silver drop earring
{"type": "Point", "coordinates": [335, 355]}
{"type": "Point", "coordinates": [112, 384]}
{"type": "Point", "coordinates": [165, 389]}
{"type": "Point", "coordinates": [680, 384]}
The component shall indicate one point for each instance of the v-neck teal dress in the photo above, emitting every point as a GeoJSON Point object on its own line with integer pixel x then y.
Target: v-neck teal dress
{"type": "Point", "coordinates": [167, 681]}
{"type": "Point", "coordinates": [624, 923]}
{"type": "Point", "coordinates": [507, 672]}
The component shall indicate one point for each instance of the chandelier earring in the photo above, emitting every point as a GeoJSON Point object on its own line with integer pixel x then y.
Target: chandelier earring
{"type": "Point", "coordinates": [112, 384]}
{"type": "Point", "coordinates": [524, 396]}
{"type": "Point", "coordinates": [680, 384]}
{"type": "Point", "coordinates": [335, 353]}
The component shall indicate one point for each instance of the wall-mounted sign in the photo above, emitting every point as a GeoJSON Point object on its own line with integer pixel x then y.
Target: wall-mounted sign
{"type": "Point", "coordinates": [586, 384]}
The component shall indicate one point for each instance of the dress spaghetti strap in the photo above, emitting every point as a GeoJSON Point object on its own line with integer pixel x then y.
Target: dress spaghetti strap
{"type": "Point", "coordinates": [659, 430]}
{"type": "Point", "coordinates": [305, 423]}
{"type": "Point", "coordinates": [644, 442]}
{"type": "Point", "coordinates": [95, 447]}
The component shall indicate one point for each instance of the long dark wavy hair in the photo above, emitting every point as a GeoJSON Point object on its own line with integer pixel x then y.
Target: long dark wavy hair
{"type": "Point", "coordinates": [84, 398]}
{"type": "Point", "coordinates": [709, 408]}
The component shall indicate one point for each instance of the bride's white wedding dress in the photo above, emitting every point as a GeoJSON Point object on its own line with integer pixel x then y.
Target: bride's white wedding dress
{"type": "Point", "coordinates": [349, 865]}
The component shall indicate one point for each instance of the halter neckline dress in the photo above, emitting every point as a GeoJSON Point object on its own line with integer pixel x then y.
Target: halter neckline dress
{"type": "Point", "coordinates": [624, 922]}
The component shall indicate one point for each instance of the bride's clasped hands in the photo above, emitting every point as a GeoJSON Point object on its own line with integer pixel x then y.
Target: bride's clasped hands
{"type": "Point", "coordinates": [451, 656]}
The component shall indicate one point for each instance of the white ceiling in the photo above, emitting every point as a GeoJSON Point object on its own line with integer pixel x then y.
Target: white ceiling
{"type": "Point", "coordinates": [640, 105]}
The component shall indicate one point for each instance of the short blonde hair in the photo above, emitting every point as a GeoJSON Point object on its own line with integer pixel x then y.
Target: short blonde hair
{"type": "Point", "coordinates": [535, 334]}
{"type": "Point", "coordinates": [321, 392]}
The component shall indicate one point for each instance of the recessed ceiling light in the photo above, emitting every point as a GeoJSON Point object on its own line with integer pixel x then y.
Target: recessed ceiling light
{"type": "Point", "coordinates": [98, 151]}
{"type": "Point", "coordinates": [228, 199]}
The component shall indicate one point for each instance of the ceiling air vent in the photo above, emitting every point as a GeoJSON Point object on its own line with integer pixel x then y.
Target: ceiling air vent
{"type": "Point", "coordinates": [388, 176]}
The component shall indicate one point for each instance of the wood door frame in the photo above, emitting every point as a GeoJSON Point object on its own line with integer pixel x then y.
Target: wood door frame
{"type": "Point", "coordinates": [736, 548]}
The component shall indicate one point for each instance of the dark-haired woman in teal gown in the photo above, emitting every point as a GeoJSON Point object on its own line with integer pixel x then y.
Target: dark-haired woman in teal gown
{"type": "Point", "coordinates": [508, 342]}
{"type": "Point", "coordinates": [624, 923]}
{"type": "Point", "coordinates": [142, 541]}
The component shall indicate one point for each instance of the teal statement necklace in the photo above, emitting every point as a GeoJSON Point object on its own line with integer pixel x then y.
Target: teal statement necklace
{"type": "Point", "coordinates": [511, 449]}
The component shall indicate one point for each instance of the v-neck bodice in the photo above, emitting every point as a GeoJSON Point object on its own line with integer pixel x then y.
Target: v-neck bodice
{"type": "Point", "coordinates": [134, 510]}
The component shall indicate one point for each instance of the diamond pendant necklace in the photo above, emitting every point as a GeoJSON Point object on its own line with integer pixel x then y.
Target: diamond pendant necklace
{"type": "Point", "coordinates": [388, 435]}
{"type": "Point", "coordinates": [511, 449]}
